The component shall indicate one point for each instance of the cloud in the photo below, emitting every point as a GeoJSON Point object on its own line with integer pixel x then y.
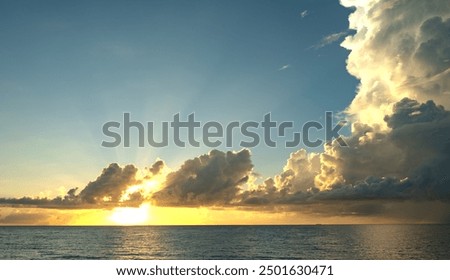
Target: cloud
{"type": "Point", "coordinates": [407, 163]}
{"type": "Point", "coordinates": [413, 155]}
{"type": "Point", "coordinates": [297, 177]}
{"type": "Point", "coordinates": [32, 216]}
{"type": "Point", "coordinates": [284, 67]}
{"type": "Point", "coordinates": [156, 168]}
{"type": "Point", "coordinates": [209, 179]}
{"type": "Point", "coordinates": [399, 147]}
{"type": "Point", "coordinates": [110, 185]}
{"type": "Point", "coordinates": [23, 218]}
{"type": "Point", "coordinates": [110, 189]}
{"type": "Point", "coordinates": [304, 13]}
{"type": "Point", "coordinates": [400, 49]}
{"type": "Point", "coordinates": [329, 39]}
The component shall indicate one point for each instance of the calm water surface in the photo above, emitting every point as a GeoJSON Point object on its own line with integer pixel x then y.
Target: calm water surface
{"type": "Point", "coordinates": [227, 242]}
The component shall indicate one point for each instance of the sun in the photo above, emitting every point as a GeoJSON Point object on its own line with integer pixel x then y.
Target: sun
{"type": "Point", "coordinates": [131, 215]}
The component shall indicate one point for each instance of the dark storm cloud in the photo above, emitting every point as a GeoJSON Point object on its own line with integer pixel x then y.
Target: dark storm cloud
{"type": "Point", "coordinates": [212, 178]}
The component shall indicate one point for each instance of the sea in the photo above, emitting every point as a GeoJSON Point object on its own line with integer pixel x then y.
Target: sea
{"type": "Point", "coordinates": [330, 242]}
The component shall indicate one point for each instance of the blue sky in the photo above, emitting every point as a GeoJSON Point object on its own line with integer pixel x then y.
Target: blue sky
{"type": "Point", "coordinates": [66, 68]}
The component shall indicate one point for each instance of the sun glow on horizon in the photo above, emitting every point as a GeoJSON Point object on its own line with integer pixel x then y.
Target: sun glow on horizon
{"type": "Point", "coordinates": [136, 215]}
{"type": "Point", "coordinates": [131, 215]}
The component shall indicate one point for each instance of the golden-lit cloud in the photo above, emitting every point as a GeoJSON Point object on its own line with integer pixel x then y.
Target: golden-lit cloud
{"type": "Point", "coordinates": [400, 50]}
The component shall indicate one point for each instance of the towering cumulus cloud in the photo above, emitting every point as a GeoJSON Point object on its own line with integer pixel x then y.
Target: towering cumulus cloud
{"type": "Point", "coordinates": [399, 148]}
{"type": "Point", "coordinates": [401, 49]}
{"type": "Point", "coordinates": [401, 54]}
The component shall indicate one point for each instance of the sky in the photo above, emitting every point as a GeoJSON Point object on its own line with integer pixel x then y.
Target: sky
{"type": "Point", "coordinates": [67, 68]}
